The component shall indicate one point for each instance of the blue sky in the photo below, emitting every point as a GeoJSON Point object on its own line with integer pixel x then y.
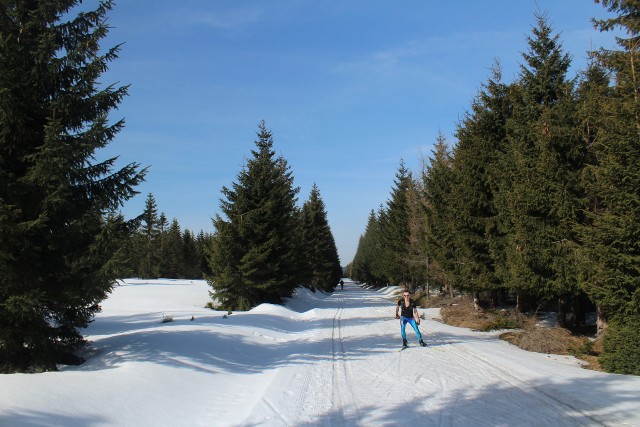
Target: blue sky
{"type": "Point", "coordinates": [347, 87]}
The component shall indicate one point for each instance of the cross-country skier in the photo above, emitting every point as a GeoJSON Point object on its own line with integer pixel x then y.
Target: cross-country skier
{"type": "Point", "coordinates": [408, 314]}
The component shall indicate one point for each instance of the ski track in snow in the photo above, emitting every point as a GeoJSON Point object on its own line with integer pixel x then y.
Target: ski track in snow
{"type": "Point", "coordinates": [321, 360]}
{"type": "Point", "coordinates": [438, 385]}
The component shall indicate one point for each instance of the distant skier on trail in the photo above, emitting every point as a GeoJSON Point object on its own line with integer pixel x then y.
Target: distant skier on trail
{"type": "Point", "coordinates": [341, 284]}
{"type": "Point", "coordinates": [408, 314]}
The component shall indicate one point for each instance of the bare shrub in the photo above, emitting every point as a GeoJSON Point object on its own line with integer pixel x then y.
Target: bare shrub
{"type": "Point", "coordinates": [419, 296]}
{"type": "Point", "coordinates": [462, 314]}
{"type": "Point", "coordinates": [550, 340]}
{"type": "Point", "coordinates": [530, 336]}
{"type": "Point", "coordinates": [542, 340]}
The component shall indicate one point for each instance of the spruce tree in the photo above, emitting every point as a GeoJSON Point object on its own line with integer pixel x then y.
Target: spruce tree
{"type": "Point", "coordinates": [439, 212]}
{"type": "Point", "coordinates": [148, 239]}
{"type": "Point", "coordinates": [171, 259]}
{"type": "Point", "coordinates": [417, 254]}
{"type": "Point", "coordinates": [378, 256]}
{"type": "Point", "coordinates": [396, 232]}
{"type": "Point", "coordinates": [482, 139]}
{"type": "Point", "coordinates": [357, 269]}
{"type": "Point", "coordinates": [190, 256]}
{"type": "Point", "coordinates": [365, 265]}
{"type": "Point", "coordinates": [163, 224]}
{"type": "Point", "coordinates": [593, 94]}
{"type": "Point", "coordinates": [149, 219]}
{"type": "Point", "coordinates": [254, 257]}
{"type": "Point", "coordinates": [204, 242]}
{"type": "Point", "coordinates": [610, 236]}
{"type": "Point", "coordinates": [541, 197]}
{"type": "Point", "coordinates": [321, 254]}
{"type": "Point", "coordinates": [57, 239]}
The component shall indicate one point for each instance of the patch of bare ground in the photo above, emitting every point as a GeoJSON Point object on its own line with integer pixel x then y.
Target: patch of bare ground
{"type": "Point", "coordinates": [459, 311]}
{"type": "Point", "coordinates": [554, 340]}
{"type": "Point", "coordinates": [526, 334]}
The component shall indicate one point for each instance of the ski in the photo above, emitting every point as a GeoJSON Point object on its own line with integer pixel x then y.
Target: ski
{"type": "Point", "coordinates": [405, 347]}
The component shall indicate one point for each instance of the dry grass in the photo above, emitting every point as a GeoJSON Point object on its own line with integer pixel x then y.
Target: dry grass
{"type": "Point", "coordinates": [554, 341]}
{"type": "Point", "coordinates": [529, 336]}
{"type": "Point", "coordinates": [541, 340]}
{"type": "Point", "coordinates": [593, 362]}
{"type": "Point", "coordinates": [462, 313]}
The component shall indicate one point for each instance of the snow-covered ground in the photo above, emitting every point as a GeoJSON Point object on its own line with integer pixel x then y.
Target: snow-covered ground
{"type": "Point", "coordinates": [321, 360]}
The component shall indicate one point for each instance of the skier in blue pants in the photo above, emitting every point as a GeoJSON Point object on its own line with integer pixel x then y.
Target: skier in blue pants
{"type": "Point", "coordinates": [408, 314]}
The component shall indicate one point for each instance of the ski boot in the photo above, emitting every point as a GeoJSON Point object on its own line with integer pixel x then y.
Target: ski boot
{"type": "Point", "coordinates": [423, 344]}
{"type": "Point", "coordinates": [404, 343]}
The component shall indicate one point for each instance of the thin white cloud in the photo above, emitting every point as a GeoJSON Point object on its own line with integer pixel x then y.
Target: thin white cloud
{"type": "Point", "coordinates": [182, 17]}
{"type": "Point", "coordinates": [399, 59]}
{"type": "Point", "coordinates": [234, 19]}
{"type": "Point", "coordinates": [243, 16]}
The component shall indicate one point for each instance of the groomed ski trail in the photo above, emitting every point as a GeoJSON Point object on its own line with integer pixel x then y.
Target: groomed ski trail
{"type": "Point", "coordinates": [354, 375]}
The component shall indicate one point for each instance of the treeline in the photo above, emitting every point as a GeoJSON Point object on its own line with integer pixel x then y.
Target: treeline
{"type": "Point", "coordinates": [261, 250]}
{"type": "Point", "coordinates": [157, 248]}
{"type": "Point", "coordinates": [62, 241]}
{"type": "Point", "coordinates": [264, 245]}
{"type": "Point", "coordinates": [538, 200]}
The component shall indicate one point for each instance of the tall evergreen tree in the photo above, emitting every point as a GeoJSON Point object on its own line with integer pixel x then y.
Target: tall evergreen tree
{"type": "Point", "coordinates": [594, 93]}
{"type": "Point", "coordinates": [190, 256]}
{"type": "Point", "coordinates": [356, 269]}
{"type": "Point", "coordinates": [378, 256]}
{"type": "Point", "coordinates": [482, 139]}
{"type": "Point", "coordinates": [148, 239]}
{"type": "Point", "coordinates": [610, 238]}
{"type": "Point", "coordinates": [320, 250]}
{"type": "Point", "coordinates": [163, 224]}
{"type": "Point", "coordinates": [366, 261]}
{"type": "Point", "coordinates": [417, 254]}
{"type": "Point", "coordinates": [438, 182]}
{"type": "Point", "coordinates": [56, 238]}
{"type": "Point", "coordinates": [396, 232]}
{"type": "Point", "coordinates": [543, 161]}
{"type": "Point", "coordinates": [610, 253]}
{"type": "Point", "coordinates": [204, 244]}
{"type": "Point", "coordinates": [253, 257]}
{"type": "Point", "coordinates": [149, 226]}
{"type": "Point", "coordinates": [171, 258]}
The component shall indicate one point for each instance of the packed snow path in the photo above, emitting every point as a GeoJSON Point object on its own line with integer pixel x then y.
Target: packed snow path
{"type": "Point", "coordinates": [355, 374]}
{"type": "Point", "coordinates": [322, 360]}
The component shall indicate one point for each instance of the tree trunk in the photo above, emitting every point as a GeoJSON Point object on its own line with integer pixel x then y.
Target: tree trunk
{"type": "Point", "coordinates": [519, 302]}
{"type": "Point", "coordinates": [562, 312]}
{"type": "Point", "coordinates": [476, 300]}
{"type": "Point", "coordinates": [601, 322]}
{"type": "Point", "coordinates": [578, 312]}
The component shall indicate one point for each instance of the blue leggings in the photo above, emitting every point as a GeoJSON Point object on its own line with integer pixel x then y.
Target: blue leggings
{"type": "Point", "coordinates": [412, 322]}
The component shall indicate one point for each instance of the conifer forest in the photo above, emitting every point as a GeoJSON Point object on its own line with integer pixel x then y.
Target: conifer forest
{"type": "Point", "coordinates": [533, 202]}
{"type": "Point", "coordinates": [536, 200]}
